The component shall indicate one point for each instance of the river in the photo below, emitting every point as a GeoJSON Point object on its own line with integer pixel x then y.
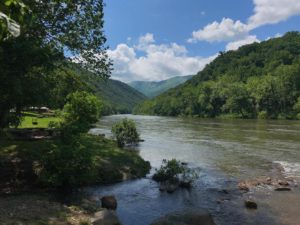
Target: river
{"type": "Point", "coordinates": [224, 152]}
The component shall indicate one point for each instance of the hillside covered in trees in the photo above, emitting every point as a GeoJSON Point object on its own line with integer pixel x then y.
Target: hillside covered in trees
{"type": "Point", "coordinates": [153, 88]}
{"type": "Point", "coordinates": [118, 96]}
{"type": "Point", "coordinates": [260, 80]}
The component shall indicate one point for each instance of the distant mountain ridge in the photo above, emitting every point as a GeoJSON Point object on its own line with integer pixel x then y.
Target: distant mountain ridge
{"type": "Point", "coordinates": [154, 88]}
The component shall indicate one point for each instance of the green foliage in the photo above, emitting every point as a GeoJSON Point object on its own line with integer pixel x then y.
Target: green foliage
{"type": "Point", "coordinates": [34, 69]}
{"type": "Point", "coordinates": [118, 96]}
{"type": "Point", "coordinates": [169, 170]}
{"type": "Point", "coordinates": [69, 163]}
{"type": "Point", "coordinates": [80, 112]}
{"type": "Point", "coordinates": [87, 160]}
{"type": "Point", "coordinates": [13, 14]}
{"type": "Point", "coordinates": [125, 132]}
{"type": "Point", "coordinates": [66, 165]}
{"type": "Point", "coordinates": [257, 80]}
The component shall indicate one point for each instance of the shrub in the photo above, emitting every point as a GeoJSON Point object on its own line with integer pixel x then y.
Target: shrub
{"type": "Point", "coordinates": [81, 111]}
{"type": "Point", "coordinates": [66, 165]}
{"type": "Point", "coordinates": [262, 115]}
{"type": "Point", "coordinates": [69, 163]}
{"type": "Point", "coordinates": [125, 132]}
{"type": "Point", "coordinates": [175, 171]}
{"type": "Point", "coordinates": [170, 169]}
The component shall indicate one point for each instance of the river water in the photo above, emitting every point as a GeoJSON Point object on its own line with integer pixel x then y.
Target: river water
{"type": "Point", "coordinates": [224, 152]}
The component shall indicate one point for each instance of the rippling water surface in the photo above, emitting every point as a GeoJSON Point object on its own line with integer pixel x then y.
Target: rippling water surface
{"type": "Point", "coordinates": [225, 151]}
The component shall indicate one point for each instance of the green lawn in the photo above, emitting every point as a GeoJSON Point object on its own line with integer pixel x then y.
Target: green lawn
{"type": "Point", "coordinates": [27, 122]}
{"type": "Point", "coordinates": [36, 120]}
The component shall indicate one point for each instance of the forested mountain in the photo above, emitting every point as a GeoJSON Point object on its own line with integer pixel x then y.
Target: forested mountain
{"type": "Point", "coordinates": [260, 80]}
{"type": "Point", "coordinates": [153, 88]}
{"type": "Point", "coordinates": [119, 97]}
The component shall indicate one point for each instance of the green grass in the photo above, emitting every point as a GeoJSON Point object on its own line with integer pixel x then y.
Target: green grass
{"type": "Point", "coordinates": [41, 122]}
{"type": "Point", "coordinates": [37, 120]}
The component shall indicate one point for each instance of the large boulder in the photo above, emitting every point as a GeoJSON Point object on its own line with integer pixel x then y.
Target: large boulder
{"type": "Point", "coordinates": [109, 202]}
{"type": "Point", "coordinates": [192, 217]}
{"type": "Point", "coordinates": [105, 217]}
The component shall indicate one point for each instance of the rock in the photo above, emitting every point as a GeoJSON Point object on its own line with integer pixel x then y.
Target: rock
{"type": "Point", "coordinates": [250, 204]}
{"type": "Point", "coordinates": [185, 183]}
{"type": "Point", "coordinates": [243, 186]}
{"type": "Point", "coordinates": [224, 191]}
{"type": "Point", "coordinates": [193, 217]}
{"type": "Point", "coordinates": [109, 202]}
{"type": "Point", "coordinates": [105, 217]}
{"type": "Point", "coordinates": [169, 186]}
{"type": "Point", "coordinates": [282, 189]}
{"type": "Point", "coordinates": [283, 182]}
{"type": "Point", "coordinates": [269, 180]}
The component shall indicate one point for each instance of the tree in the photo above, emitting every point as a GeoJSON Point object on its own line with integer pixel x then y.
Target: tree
{"type": "Point", "coordinates": [67, 165]}
{"type": "Point", "coordinates": [13, 13]}
{"type": "Point", "coordinates": [80, 112]}
{"type": "Point", "coordinates": [57, 31]}
{"type": "Point", "coordinates": [125, 132]}
{"type": "Point", "coordinates": [238, 101]}
{"type": "Point", "coordinates": [69, 162]}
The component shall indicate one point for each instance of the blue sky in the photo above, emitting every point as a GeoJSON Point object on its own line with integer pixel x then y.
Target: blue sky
{"type": "Point", "coordinates": [159, 39]}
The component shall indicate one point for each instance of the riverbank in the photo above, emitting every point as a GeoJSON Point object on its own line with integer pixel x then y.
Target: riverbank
{"type": "Point", "coordinates": [19, 162]}
{"type": "Point", "coordinates": [24, 200]}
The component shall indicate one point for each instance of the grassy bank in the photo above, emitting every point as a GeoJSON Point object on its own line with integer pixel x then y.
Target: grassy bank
{"type": "Point", "coordinates": [20, 160]}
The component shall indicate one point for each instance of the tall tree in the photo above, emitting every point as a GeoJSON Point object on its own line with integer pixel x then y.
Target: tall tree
{"type": "Point", "coordinates": [57, 31]}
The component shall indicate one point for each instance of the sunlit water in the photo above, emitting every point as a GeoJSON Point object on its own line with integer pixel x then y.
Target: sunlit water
{"type": "Point", "coordinates": [225, 151]}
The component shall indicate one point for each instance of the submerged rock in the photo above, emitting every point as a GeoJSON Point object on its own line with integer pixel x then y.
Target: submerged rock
{"type": "Point", "coordinates": [193, 217]}
{"type": "Point", "coordinates": [250, 204]}
{"type": "Point", "coordinates": [282, 189]}
{"type": "Point", "coordinates": [109, 202]}
{"type": "Point", "coordinates": [169, 186]}
{"type": "Point", "coordinates": [105, 217]}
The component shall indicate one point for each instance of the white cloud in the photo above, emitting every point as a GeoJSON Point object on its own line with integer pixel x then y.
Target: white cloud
{"type": "Point", "coordinates": [273, 11]}
{"type": "Point", "coordinates": [157, 63]}
{"type": "Point", "coordinates": [265, 12]}
{"type": "Point", "coordinates": [236, 44]}
{"type": "Point", "coordinates": [122, 56]}
{"type": "Point", "coordinates": [226, 30]}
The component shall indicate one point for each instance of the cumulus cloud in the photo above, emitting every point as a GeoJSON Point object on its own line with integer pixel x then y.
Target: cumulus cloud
{"type": "Point", "coordinates": [157, 63]}
{"type": "Point", "coordinates": [226, 30]}
{"type": "Point", "coordinates": [272, 11]}
{"type": "Point", "coordinates": [237, 32]}
{"type": "Point", "coordinates": [236, 44]}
